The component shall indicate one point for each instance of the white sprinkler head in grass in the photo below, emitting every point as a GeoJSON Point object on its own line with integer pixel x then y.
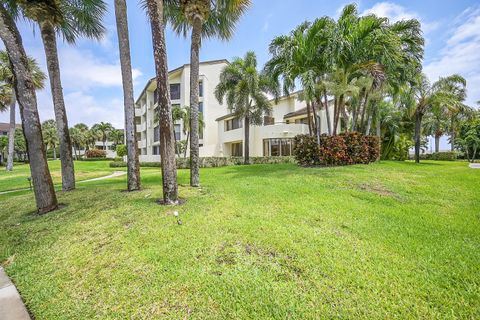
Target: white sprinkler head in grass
{"type": "Point", "coordinates": [175, 213]}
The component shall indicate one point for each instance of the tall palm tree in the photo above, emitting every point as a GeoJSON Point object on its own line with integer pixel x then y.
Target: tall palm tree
{"type": "Point", "coordinates": [103, 129]}
{"type": "Point", "coordinates": [45, 197]}
{"type": "Point", "coordinates": [78, 140]}
{"type": "Point", "coordinates": [167, 140]}
{"type": "Point", "coordinates": [116, 136]}
{"type": "Point", "coordinates": [205, 19]}
{"type": "Point", "coordinates": [72, 18]}
{"type": "Point", "coordinates": [6, 76]}
{"type": "Point", "coordinates": [133, 165]}
{"type": "Point", "coordinates": [244, 90]}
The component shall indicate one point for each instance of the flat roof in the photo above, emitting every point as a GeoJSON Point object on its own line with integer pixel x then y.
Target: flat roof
{"type": "Point", "coordinates": [178, 69]}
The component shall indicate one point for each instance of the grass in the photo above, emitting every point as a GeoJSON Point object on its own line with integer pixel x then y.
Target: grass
{"type": "Point", "coordinates": [387, 240]}
{"type": "Point", "coordinates": [17, 179]}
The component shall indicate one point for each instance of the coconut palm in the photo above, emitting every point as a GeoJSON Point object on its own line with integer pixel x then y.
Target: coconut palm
{"type": "Point", "coordinates": [78, 140]}
{"type": "Point", "coordinates": [133, 165]}
{"type": "Point", "coordinates": [103, 130]}
{"type": "Point", "coordinates": [155, 9]}
{"type": "Point", "coordinates": [204, 19]}
{"type": "Point", "coordinates": [50, 136]}
{"type": "Point", "coordinates": [71, 19]}
{"type": "Point", "coordinates": [45, 197]}
{"type": "Point", "coordinates": [245, 91]}
{"type": "Point", "coordinates": [6, 76]}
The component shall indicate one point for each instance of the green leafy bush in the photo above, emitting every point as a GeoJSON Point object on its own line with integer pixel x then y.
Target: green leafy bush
{"type": "Point", "coordinates": [444, 156]}
{"type": "Point", "coordinates": [344, 149]}
{"type": "Point", "coordinates": [121, 150]}
{"type": "Point", "coordinates": [117, 164]}
{"type": "Point", "coordinates": [95, 153]}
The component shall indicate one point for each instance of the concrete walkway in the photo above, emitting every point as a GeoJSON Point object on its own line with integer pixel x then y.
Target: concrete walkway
{"type": "Point", "coordinates": [474, 165]}
{"type": "Point", "coordinates": [113, 175]}
{"type": "Point", "coordinates": [11, 305]}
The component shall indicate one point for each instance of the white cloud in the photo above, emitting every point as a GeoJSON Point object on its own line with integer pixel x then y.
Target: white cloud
{"type": "Point", "coordinates": [81, 69]}
{"type": "Point", "coordinates": [461, 54]}
{"type": "Point", "coordinates": [395, 12]}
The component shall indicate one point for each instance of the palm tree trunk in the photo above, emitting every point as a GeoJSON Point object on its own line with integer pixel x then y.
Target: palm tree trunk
{"type": "Point", "coordinates": [54, 152]}
{"type": "Point", "coordinates": [167, 147]}
{"type": "Point", "coordinates": [335, 118]}
{"type": "Point", "coordinates": [309, 118]}
{"type": "Point", "coordinates": [50, 45]}
{"type": "Point", "coordinates": [11, 132]}
{"type": "Point", "coordinates": [186, 145]}
{"type": "Point", "coordinates": [356, 111]}
{"type": "Point", "coordinates": [369, 125]}
{"type": "Point", "coordinates": [317, 124]}
{"type": "Point", "coordinates": [418, 132]}
{"type": "Point", "coordinates": [45, 197]}
{"type": "Point", "coordinates": [437, 143]}
{"type": "Point", "coordinates": [194, 70]}
{"type": "Point", "coordinates": [327, 113]}
{"type": "Point", "coordinates": [247, 140]}
{"type": "Point", "coordinates": [379, 128]}
{"type": "Point", "coordinates": [133, 165]}
{"type": "Point", "coordinates": [452, 135]}
{"type": "Point", "coordinates": [364, 110]}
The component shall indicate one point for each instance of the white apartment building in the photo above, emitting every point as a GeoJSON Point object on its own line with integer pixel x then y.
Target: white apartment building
{"type": "Point", "coordinates": [223, 135]}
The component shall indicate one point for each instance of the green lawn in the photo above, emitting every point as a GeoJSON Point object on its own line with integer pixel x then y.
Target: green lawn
{"type": "Point", "coordinates": [387, 240]}
{"type": "Point", "coordinates": [17, 179]}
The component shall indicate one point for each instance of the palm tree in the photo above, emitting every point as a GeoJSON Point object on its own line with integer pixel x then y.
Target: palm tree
{"type": "Point", "coordinates": [78, 140]}
{"type": "Point", "coordinates": [167, 140]}
{"type": "Point", "coordinates": [103, 130]}
{"type": "Point", "coordinates": [6, 76]}
{"type": "Point", "coordinates": [50, 136]}
{"type": "Point", "coordinates": [45, 197]}
{"type": "Point", "coordinates": [428, 96]}
{"type": "Point", "coordinates": [133, 165]}
{"type": "Point", "coordinates": [244, 90]}
{"type": "Point", "coordinates": [72, 18]}
{"type": "Point", "coordinates": [205, 19]}
{"type": "Point", "coordinates": [116, 136]}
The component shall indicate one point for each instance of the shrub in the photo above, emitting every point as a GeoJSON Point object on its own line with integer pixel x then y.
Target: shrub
{"type": "Point", "coordinates": [305, 150]}
{"type": "Point", "coordinates": [96, 153]}
{"type": "Point", "coordinates": [209, 162]}
{"type": "Point", "coordinates": [117, 164]}
{"type": "Point", "coordinates": [121, 150]}
{"type": "Point", "coordinates": [444, 156]}
{"type": "Point", "coordinates": [344, 149]}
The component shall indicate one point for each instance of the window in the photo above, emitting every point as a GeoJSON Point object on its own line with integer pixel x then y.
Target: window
{"type": "Point", "coordinates": [233, 124]}
{"type": "Point", "coordinates": [155, 96]}
{"type": "Point", "coordinates": [277, 147]}
{"type": "Point", "coordinates": [156, 134]}
{"type": "Point", "coordinates": [177, 132]}
{"type": "Point", "coordinates": [156, 150]}
{"type": "Point", "coordinates": [302, 121]}
{"type": "Point", "coordinates": [200, 107]}
{"type": "Point", "coordinates": [139, 136]}
{"type": "Point", "coordinates": [138, 120]}
{"type": "Point", "coordinates": [237, 149]}
{"type": "Point", "coordinates": [267, 120]}
{"type": "Point", "coordinates": [200, 89]}
{"type": "Point", "coordinates": [175, 91]}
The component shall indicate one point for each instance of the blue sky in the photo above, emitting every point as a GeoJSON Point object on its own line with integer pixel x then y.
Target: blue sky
{"type": "Point", "coordinates": [91, 71]}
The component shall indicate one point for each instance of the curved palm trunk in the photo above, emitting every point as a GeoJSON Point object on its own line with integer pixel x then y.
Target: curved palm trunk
{"type": "Point", "coordinates": [335, 118]}
{"type": "Point", "coordinates": [452, 134]}
{"type": "Point", "coordinates": [247, 140]}
{"type": "Point", "coordinates": [133, 165]}
{"type": "Point", "coordinates": [418, 132]}
{"type": "Point", "coordinates": [45, 197]}
{"type": "Point", "coordinates": [316, 122]}
{"type": "Point", "coordinates": [194, 70]}
{"type": "Point", "coordinates": [50, 45]}
{"type": "Point", "coordinates": [54, 152]}
{"type": "Point", "coordinates": [11, 133]}
{"type": "Point", "coordinates": [167, 146]}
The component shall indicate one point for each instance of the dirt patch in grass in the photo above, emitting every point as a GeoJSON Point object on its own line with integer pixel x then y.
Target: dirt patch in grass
{"type": "Point", "coordinates": [378, 189]}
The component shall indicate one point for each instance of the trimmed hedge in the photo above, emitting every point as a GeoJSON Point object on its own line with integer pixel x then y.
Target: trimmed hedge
{"type": "Point", "coordinates": [209, 162]}
{"type": "Point", "coordinates": [444, 156]}
{"type": "Point", "coordinates": [344, 149]}
{"type": "Point", "coordinates": [95, 153]}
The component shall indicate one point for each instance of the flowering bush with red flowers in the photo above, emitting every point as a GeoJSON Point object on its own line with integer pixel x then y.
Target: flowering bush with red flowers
{"type": "Point", "coordinates": [96, 153]}
{"type": "Point", "coordinates": [344, 149]}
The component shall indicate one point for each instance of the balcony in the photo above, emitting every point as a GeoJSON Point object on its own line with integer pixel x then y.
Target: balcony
{"type": "Point", "coordinates": [279, 130]}
{"type": "Point", "coordinates": [138, 112]}
{"type": "Point", "coordinates": [141, 127]}
{"type": "Point", "coordinates": [142, 144]}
